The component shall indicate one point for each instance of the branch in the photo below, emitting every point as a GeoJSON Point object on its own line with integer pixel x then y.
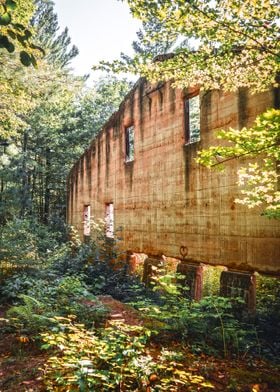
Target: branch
{"type": "Point", "coordinates": [245, 153]}
{"type": "Point", "coordinates": [225, 25]}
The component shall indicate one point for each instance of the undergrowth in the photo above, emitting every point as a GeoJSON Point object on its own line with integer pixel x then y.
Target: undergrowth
{"type": "Point", "coordinates": [56, 304]}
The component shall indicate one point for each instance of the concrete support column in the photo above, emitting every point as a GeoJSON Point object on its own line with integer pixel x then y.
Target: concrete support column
{"type": "Point", "coordinates": [152, 269]}
{"type": "Point", "coordinates": [239, 284]}
{"type": "Point", "coordinates": [132, 263]}
{"type": "Point", "coordinates": [192, 279]}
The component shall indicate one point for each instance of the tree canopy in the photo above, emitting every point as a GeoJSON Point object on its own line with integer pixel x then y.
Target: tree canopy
{"type": "Point", "coordinates": [232, 43]}
{"type": "Point", "coordinates": [48, 117]}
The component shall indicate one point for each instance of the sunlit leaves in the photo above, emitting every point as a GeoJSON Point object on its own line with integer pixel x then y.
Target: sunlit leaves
{"type": "Point", "coordinates": [236, 43]}
{"type": "Point", "coordinates": [14, 31]}
{"type": "Point", "coordinates": [116, 356]}
{"type": "Point", "coordinates": [259, 180]}
{"type": "Point", "coordinates": [10, 4]}
{"type": "Point", "coordinates": [5, 19]}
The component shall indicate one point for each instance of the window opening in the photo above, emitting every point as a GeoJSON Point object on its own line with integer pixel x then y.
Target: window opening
{"type": "Point", "coordinates": [192, 119]}
{"type": "Point", "coordinates": [86, 219]}
{"type": "Point", "coordinates": [109, 220]}
{"type": "Point", "coordinates": [129, 144]}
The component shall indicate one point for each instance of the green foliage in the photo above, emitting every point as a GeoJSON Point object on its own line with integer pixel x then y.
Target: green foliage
{"type": "Point", "coordinates": [15, 32]}
{"type": "Point", "coordinates": [113, 360]}
{"type": "Point", "coordinates": [57, 47]}
{"type": "Point", "coordinates": [174, 314]}
{"type": "Point", "coordinates": [96, 105]}
{"type": "Point", "coordinates": [30, 316]}
{"type": "Point", "coordinates": [16, 284]}
{"type": "Point", "coordinates": [216, 314]}
{"type": "Point", "coordinates": [107, 271]}
{"type": "Point", "coordinates": [150, 47]}
{"type": "Point", "coordinates": [23, 244]}
{"type": "Point", "coordinates": [59, 125]}
{"type": "Point", "coordinates": [259, 180]}
{"type": "Point", "coordinates": [101, 264]}
{"type": "Point", "coordinates": [211, 280]}
{"type": "Point", "coordinates": [268, 316]}
{"type": "Point", "coordinates": [49, 298]}
{"type": "Point", "coordinates": [88, 361]}
{"type": "Point", "coordinates": [231, 44]}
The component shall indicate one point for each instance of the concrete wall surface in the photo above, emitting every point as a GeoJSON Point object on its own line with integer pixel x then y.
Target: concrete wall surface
{"type": "Point", "coordinates": [165, 203]}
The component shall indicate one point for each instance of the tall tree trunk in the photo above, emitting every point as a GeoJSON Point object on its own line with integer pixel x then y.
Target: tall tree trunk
{"type": "Point", "coordinates": [47, 187]}
{"type": "Point", "coordinates": [24, 177]}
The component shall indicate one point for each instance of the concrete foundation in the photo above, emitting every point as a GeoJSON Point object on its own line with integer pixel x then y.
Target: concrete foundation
{"type": "Point", "coordinates": [236, 284]}
{"type": "Point", "coordinates": [192, 279]}
{"type": "Point", "coordinates": [152, 269]}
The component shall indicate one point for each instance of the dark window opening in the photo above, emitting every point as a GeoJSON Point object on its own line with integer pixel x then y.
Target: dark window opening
{"type": "Point", "coordinates": [192, 119]}
{"type": "Point", "coordinates": [129, 144]}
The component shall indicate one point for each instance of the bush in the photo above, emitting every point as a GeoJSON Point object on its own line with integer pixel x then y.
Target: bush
{"type": "Point", "coordinates": [268, 316]}
{"type": "Point", "coordinates": [60, 297]}
{"type": "Point", "coordinates": [102, 266]}
{"type": "Point", "coordinates": [116, 359]}
{"type": "Point", "coordinates": [24, 244]}
{"type": "Point", "coordinates": [210, 325]}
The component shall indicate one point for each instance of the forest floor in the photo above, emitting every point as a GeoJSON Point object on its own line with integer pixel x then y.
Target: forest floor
{"type": "Point", "coordinates": [22, 362]}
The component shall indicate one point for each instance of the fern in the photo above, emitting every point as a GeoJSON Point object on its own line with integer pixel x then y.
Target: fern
{"type": "Point", "coordinates": [30, 315]}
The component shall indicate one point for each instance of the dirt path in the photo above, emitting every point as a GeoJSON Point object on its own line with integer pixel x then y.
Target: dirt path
{"type": "Point", "coordinates": [121, 312]}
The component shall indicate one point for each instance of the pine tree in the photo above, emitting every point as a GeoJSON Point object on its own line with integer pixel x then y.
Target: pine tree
{"type": "Point", "coordinates": [58, 48]}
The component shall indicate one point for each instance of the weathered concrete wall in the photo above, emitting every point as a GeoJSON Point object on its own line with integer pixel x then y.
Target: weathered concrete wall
{"type": "Point", "coordinates": [163, 200]}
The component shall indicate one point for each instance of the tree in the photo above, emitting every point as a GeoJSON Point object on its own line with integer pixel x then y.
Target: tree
{"type": "Point", "coordinates": [144, 47]}
{"type": "Point", "coordinates": [47, 118]}
{"type": "Point", "coordinates": [258, 179]}
{"type": "Point", "coordinates": [45, 23]}
{"type": "Point", "coordinates": [15, 31]}
{"type": "Point", "coordinates": [98, 103]}
{"type": "Point", "coordinates": [64, 119]}
{"type": "Point", "coordinates": [50, 95]}
{"type": "Point", "coordinates": [234, 44]}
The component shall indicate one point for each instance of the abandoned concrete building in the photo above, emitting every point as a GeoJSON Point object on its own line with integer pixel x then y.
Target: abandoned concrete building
{"type": "Point", "coordinates": [139, 174]}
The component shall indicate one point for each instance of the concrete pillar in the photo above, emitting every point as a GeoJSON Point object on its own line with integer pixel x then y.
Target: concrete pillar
{"type": "Point", "coordinates": [135, 262]}
{"type": "Point", "coordinates": [152, 269]}
{"type": "Point", "coordinates": [192, 279]}
{"type": "Point", "coordinates": [132, 263]}
{"type": "Point", "coordinates": [239, 284]}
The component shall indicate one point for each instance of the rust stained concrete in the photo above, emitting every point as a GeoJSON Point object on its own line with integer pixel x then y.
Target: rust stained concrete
{"type": "Point", "coordinates": [163, 200]}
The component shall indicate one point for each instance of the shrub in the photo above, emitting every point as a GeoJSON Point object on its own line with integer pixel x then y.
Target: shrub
{"type": "Point", "coordinates": [103, 267]}
{"type": "Point", "coordinates": [210, 325]}
{"type": "Point", "coordinates": [268, 316]}
{"type": "Point", "coordinates": [114, 360]}
{"type": "Point", "coordinates": [61, 297]}
{"type": "Point", "coordinates": [15, 285]}
{"type": "Point", "coordinates": [23, 245]}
